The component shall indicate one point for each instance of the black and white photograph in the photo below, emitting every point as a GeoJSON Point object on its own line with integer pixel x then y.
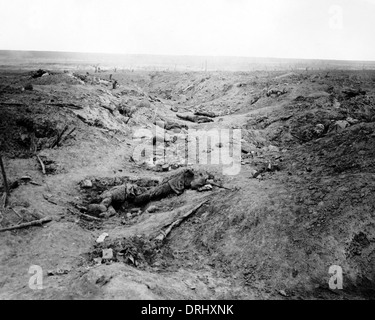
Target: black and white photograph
{"type": "Point", "coordinates": [205, 152]}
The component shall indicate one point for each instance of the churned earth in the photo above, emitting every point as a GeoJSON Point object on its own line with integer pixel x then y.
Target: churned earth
{"type": "Point", "coordinates": [302, 201]}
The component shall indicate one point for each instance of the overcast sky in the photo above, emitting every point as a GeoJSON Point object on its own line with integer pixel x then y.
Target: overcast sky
{"type": "Point", "coordinates": [324, 29]}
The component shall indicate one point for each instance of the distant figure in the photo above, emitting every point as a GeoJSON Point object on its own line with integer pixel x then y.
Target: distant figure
{"type": "Point", "coordinates": [110, 76]}
{"type": "Point", "coordinates": [114, 86]}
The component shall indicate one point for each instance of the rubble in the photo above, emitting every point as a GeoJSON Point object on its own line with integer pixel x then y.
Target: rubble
{"type": "Point", "coordinates": [350, 92]}
{"type": "Point", "coordinates": [107, 254]}
{"type": "Point", "coordinates": [275, 91]}
{"type": "Point", "coordinates": [339, 126]}
{"type": "Point", "coordinates": [102, 237]}
{"type": "Point", "coordinates": [194, 118]}
{"type": "Point", "coordinates": [86, 184]}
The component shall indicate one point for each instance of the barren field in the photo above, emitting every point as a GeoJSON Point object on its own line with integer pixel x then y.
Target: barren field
{"type": "Point", "coordinates": [302, 202]}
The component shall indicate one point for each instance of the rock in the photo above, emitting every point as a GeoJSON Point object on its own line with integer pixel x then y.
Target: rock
{"type": "Point", "coordinates": [207, 187]}
{"type": "Point", "coordinates": [152, 209]}
{"type": "Point", "coordinates": [57, 272]}
{"type": "Point", "coordinates": [272, 167]}
{"type": "Point", "coordinates": [111, 212]}
{"type": "Point", "coordinates": [254, 173]}
{"type": "Point", "coordinates": [107, 254]}
{"type": "Point", "coordinates": [165, 167]}
{"type": "Point", "coordinates": [339, 126]}
{"type": "Point", "coordinates": [283, 293]}
{"type": "Point", "coordinates": [86, 184]}
{"type": "Point", "coordinates": [247, 147]}
{"type": "Point", "coordinates": [129, 215]}
{"type": "Point", "coordinates": [102, 237]}
{"type": "Point", "coordinates": [319, 129]}
{"type": "Point", "coordinates": [96, 209]}
{"type": "Point", "coordinates": [174, 109]}
{"type": "Point", "coordinates": [219, 145]}
{"type": "Point", "coordinates": [273, 148]}
{"type": "Point", "coordinates": [134, 210]}
{"type": "Point", "coordinates": [351, 121]}
{"type": "Point", "coordinates": [175, 166]}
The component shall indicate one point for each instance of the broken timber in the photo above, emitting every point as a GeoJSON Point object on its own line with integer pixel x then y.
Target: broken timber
{"type": "Point", "coordinates": [41, 164]}
{"type": "Point", "coordinates": [28, 224]}
{"type": "Point", "coordinates": [167, 229]}
{"type": "Point", "coordinates": [6, 186]}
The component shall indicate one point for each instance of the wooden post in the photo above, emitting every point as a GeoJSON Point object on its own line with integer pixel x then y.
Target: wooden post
{"type": "Point", "coordinates": [4, 177]}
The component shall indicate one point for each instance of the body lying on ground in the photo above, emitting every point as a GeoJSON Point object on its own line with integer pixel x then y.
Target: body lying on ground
{"type": "Point", "coordinates": [176, 184]}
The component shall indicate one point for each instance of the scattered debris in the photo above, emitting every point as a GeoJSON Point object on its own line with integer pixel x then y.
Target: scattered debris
{"type": "Point", "coordinates": [57, 272]}
{"type": "Point", "coordinates": [102, 237]}
{"type": "Point", "coordinates": [167, 229]}
{"type": "Point", "coordinates": [107, 254]}
{"type": "Point", "coordinates": [283, 293]}
{"type": "Point", "coordinates": [339, 126]}
{"type": "Point", "coordinates": [48, 198]}
{"type": "Point", "coordinates": [207, 187]}
{"type": "Point", "coordinates": [152, 209]}
{"type": "Point", "coordinates": [194, 118]}
{"type": "Point", "coordinates": [28, 224]}
{"type": "Point", "coordinates": [38, 73]}
{"type": "Point", "coordinates": [205, 114]}
{"type": "Point", "coordinates": [350, 93]}
{"type": "Point", "coordinates": [41, 164]}
{"type": "Point", "coordinates": [86, 184]}
{"type": "Point", "coordinates": [275, 91]}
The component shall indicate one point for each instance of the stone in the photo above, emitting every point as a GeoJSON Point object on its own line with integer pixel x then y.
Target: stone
{"type": "Point", "coordinates": [111, 211]}
{"type": "Point", "coordinates": [319, 129]}
{"type": "Point", "coordinates": [86, 184]}
{"type": "Point", "coordinates": [102, 237]}
{"type": "Point", "coordinates": [339, 126]}
{"type": "Point", "coordinates": [283, 293]}
{"type": "Point", "coordinates": [247, 147]}
{"type": "Point", "coordinates": [152, 209]}
{"type": "Point", "coordinates": [351, 121]}
{"type": "Point", "coordinates": [273, 148]}
{"type": "Point", "coordinates": [107, 254]}
{"type": "Point", "coordinates": [254, 173]}
{"type": "Point", "coordinates": [207, 187]}
{"type": "Point", "coordinates": [165, 167]}
{"type": "Point", "coordinates": [96, 209]}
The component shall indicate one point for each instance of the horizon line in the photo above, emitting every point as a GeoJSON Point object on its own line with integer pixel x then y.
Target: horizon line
{"type": "Point", "coordinates": [187, 55]}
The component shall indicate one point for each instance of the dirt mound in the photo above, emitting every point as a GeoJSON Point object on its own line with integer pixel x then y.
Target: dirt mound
{"type": "Point", "coordinates": [302, 202]}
